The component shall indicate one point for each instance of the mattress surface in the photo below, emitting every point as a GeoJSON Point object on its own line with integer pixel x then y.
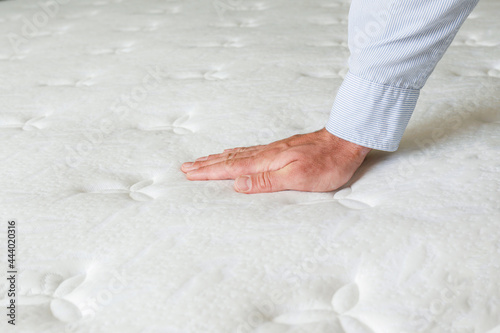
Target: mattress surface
{"type": "Point", "coordinates": [102, 101]}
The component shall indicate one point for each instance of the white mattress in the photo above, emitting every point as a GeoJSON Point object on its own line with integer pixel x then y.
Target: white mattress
{"type": "Point", "coordinates": [112, 238]}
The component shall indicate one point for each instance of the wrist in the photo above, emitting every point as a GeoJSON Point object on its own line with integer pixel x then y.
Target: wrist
{"type": "Point", "coordinates": [345, 145]}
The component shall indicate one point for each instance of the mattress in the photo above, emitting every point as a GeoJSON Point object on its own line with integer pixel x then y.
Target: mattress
{"type": "Point", "coordinates": [103, 100]}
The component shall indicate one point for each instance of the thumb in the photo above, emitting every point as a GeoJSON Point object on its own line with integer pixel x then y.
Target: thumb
{"type": "Point", "coordinates": [267, 181]}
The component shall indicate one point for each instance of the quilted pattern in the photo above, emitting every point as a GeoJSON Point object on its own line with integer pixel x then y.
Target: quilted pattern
{"type": "Point", "coordinates": [102, 100]}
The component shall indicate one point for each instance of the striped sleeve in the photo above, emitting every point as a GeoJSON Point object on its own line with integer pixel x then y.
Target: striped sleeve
{"type": "Point", "coordinates": [395, 45]}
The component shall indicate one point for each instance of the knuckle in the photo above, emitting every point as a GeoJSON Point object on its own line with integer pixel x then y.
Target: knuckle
{"type": "Point", "coordinates": [284, 145]}
{"type": "Point", "coordinates": [229, 163]}
{"type": "Point", "coordinates": [264, 181]}
{"type": "Point", "coordinates": [236, 150]}
{"type": "Point", "coordinates": [209, 157]}
{"type": "Point", "coordinates": [232, 155]}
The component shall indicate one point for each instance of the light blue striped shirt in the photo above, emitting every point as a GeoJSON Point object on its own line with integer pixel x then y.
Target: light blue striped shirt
{"type": "Point", "coordinates": [395, 45]}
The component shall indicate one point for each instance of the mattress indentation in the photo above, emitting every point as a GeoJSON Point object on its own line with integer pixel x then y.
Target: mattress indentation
{"type": "Point", "coordinates": [411, 245]}
{"type": "Point", "coordinates": [210, 75]}
{"type": "Point", "coordinates": [63, 82]}
{"type": "Point", "coordinates": [345, 298]}
{"type": "Point", "coordinates": [144, 190]}
{"type": "Point", "coordinates": [241, 23]}
{"type": "Point", "coordinates": [65, 310]}
{"type": "Point", "coordinates": [179, 126]}
{"type": "Point", "coordinates": [351, 324]}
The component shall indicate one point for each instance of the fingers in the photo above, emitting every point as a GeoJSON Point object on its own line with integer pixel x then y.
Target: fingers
{"type": "Point", "coordinates": [238, 152]}
{"type": "Point", "coordinates": [265, 182]}
{"type": "Point", "coordinates": [227, 169]}
{"type": "Point", "coordinates": [218, 158]}
{"type": "Point", "coordinates": [225, 153]}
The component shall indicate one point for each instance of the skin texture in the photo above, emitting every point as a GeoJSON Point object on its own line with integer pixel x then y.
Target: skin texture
{"type": "Point", "coordinates": [313, 162]}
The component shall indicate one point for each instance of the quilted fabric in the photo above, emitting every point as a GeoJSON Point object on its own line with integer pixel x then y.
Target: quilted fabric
{"type": "Point", "coordinates": [101, 102]}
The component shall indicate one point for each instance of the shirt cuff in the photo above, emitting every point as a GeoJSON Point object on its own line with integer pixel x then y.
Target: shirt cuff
{"type": "Point", "coordinates": [371, 114]}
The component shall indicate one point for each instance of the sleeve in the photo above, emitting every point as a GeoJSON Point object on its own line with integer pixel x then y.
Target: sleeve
{"type": "Point", "coordinates": [395, 45]}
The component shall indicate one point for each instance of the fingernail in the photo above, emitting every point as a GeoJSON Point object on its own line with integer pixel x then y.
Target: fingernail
{"type": "Point", "coordinates": [190, 174]}
{"type": "Point", "coordinates": [204, 158]}
{"type": "Point", "coordinates": [243, 184]}
{"type": "Point", "coordinates": [188, 166]}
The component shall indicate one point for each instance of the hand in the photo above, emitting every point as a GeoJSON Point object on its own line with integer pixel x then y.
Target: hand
{"type": "Point", "coordinates": [314, 162]}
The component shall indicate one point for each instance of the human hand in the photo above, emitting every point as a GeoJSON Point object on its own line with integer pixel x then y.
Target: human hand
{"type": "Point", "coordinates": [314, 162]}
